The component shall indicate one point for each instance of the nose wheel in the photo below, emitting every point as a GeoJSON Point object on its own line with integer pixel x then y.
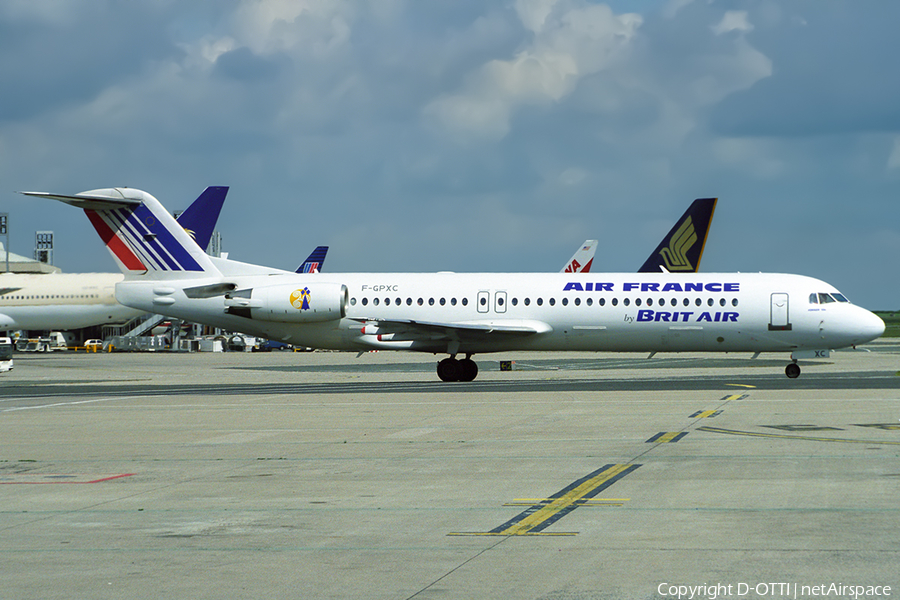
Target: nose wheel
{"type": "Point", "coordinates": [792, 370]}
{"type": "Point", "coordinates": [451, 369]}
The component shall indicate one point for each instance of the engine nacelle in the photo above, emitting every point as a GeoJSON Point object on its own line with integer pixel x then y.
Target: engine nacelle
{"type": "Point", "coordinates": [290, 303]}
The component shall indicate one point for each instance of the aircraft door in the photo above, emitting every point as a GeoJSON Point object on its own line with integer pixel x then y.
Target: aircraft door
{"type": "Point", "coordinates": [779, 319]}
{"type": "Point", "coordinates": [483, 301]}
{"type": "Point", "coordinates": [500, 302]}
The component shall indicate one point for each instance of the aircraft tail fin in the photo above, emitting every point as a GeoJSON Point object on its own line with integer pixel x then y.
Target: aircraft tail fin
{"type": "Point", "coordinates": [200, 218]}
{"type": "Point", "coordinates": [140, 233]}
{"type": "Point", "coordinates": [582, 259]}
{"type": "Point", "coordinates": [314, 262]}
{"type": "Point", "coordinates": [682, 248]}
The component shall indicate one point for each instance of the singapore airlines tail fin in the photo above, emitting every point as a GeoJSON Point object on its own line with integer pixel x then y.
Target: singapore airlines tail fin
{"type": "Point", "coordinates": [140, 234]}
{"type": "Point", "coordinates": [682, 248]}
{"type": "Point", "coordinates": [314, 262]}
{"type": "Point", "coordinates": [199, 219]}
{"type": "Point", "coordinates": [582, 259]}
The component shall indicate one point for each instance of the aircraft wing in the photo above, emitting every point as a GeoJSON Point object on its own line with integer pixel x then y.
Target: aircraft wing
{"type": "Point", "coordinates": [410, 329]}
{"type": "Point", "coordinates": [9, 290]}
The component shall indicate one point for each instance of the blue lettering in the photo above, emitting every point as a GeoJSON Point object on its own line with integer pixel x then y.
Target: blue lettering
{"type": "Point", "coordinates": [627, 287]}
{"type": "Point", "coordinates": [672, 287]}
{"type": "Point", "coordinates": [577, 286]}
{"type": "Point", "coordinates": [713, 287]}
{"type": "Point", "coordinates": [649, 287]}
{"type": "Point", "coordinates": [663, 316]}
{"type": "Point", "coordinates": [685, 316]}
{"type": "Point", "coordinates": [730, 316]}
{"type": "Point", "coordinates": [704, 316]}
{"type": "Point", "coordinates": [732, 287]}
{"type": "Point", "coordinates": [645, 315]}
{"type": "Point", "coordinates": [693, 287]}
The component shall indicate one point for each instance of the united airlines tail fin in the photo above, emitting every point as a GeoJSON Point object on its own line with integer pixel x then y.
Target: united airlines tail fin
{"type": "Point", "coordinates": [582, 259]}
{"type": "Point", "coordinates": [200, 218]}
{"type": "Point", "coordinates": [682, 248]}
{"type": "Point", "coordinates": [140, 233]}
{"type": "Point", "coordinates": [314, 262]}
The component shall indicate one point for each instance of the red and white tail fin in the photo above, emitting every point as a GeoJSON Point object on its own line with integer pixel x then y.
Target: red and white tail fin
{"type": "Point", "coordinates": [582, 259]}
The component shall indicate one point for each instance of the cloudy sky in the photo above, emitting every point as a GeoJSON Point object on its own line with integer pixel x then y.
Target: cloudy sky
{"type": "Point", "coordinates": [415, 135]}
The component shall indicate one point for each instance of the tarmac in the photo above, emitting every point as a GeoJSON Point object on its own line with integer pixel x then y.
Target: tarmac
{"type": "Point", "coordinates": [571, 477]}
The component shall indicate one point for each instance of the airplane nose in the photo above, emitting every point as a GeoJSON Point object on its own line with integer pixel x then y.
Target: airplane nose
{"type": "Point", "coordinates": [871, 327]}
{"type": "Point", "coordinates": [856, 326]}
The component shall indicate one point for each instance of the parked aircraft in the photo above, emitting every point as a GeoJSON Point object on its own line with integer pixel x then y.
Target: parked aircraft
{"type": "Point", "coordinates": [682, 248]}
{"type": "Point", "coordinates": [677, 252]}
{"type": "Point", "coordinates": [314, 262]}
{"type": "Point", "coordinates": [467, 313]}
{"type": "Point", "coordinates": [582, 259]}
{"type": "Point", "coordinates": [66, 301]}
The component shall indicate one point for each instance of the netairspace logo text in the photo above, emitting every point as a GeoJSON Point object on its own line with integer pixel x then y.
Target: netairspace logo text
{"type": "Point", "coordinates": [797, 591]}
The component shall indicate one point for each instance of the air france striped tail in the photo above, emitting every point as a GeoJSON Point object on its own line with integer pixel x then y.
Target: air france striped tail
{"type": "Point", "coordinates": [464, 314]}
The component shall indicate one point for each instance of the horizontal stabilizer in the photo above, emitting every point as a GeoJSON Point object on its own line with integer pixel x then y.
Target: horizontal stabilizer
{"type": "Point", "coordinates": [90, 202]}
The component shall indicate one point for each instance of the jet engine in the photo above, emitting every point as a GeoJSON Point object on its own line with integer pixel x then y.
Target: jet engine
{"type": "Point", "coordinates": [290, 303]}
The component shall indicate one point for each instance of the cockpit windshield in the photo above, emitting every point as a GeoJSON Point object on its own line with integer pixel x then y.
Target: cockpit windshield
{"type": "Point", "coordinates": [826, 298]}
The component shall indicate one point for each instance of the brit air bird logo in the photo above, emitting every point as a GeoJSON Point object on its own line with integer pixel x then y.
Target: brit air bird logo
{"type": "Point", "coordinates": [300, 299]}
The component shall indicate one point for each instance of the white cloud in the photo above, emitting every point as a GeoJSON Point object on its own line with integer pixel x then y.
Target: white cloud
{"type": "Point", "coordinates": [314, 27]}
{"type": "Point", "coordinates": [893, 161]}
{"type": "Point", "coordinates": [733, 20]}
{"type": "Point", "coordinates": [571, 40]}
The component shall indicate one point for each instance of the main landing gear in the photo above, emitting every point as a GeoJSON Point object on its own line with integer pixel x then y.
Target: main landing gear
{"type": "Point", "coordinates": [451, 369]}
{"type": "Point", "coordinates": [792, 370]}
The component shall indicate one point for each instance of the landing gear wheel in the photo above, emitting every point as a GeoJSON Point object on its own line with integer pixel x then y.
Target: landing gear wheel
{"type": "Point", "coordinates": [469, 369]}
{"type": "Point", "coordinates": [792, 370]}
{"type": "Point", "coordinates": [449, 369]}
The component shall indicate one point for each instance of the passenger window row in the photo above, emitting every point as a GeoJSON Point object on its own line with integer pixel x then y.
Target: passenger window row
{"type": "Point", "coordinates": [661, 302]}
{"type": "Point", "coordinates": [47, 297]}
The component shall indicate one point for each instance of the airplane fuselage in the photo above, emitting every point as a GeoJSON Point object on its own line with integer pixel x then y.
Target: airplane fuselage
{"type": "Point", "coordinates": [431, 312]}
{"type": "Point", "coordinates": [60, 301]}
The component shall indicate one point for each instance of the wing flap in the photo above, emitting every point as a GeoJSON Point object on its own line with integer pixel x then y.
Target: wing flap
{"type": "Point", "coordinates": [455, 330]}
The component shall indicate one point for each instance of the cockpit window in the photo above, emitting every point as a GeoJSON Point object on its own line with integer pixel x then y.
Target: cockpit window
{"type": "Point", "coordinates": [823, 298]}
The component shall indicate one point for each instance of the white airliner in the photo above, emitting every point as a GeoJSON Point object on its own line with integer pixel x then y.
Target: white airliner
{"type": "Point", "coordinates": [61, 301]}
{"type": "Point", "coordinates": [67, 301]}
{"type": "Point", "coordinates": [468, 313]}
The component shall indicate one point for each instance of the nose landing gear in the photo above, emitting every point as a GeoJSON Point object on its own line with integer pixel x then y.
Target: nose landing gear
{"type": "Point", "coordinates": [451, 369]}
{"type": "Point", "coordinates": [792, 370]}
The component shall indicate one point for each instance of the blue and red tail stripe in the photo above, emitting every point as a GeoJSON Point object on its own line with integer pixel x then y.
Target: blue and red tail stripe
{"type": "Point", "coordinates": [140, 242]}
{"type": "Point", "coordinates": [116, 245]}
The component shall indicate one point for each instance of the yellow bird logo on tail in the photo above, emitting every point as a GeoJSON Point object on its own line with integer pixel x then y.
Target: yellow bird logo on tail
{"type": "Point", "coordinates": [675, 256]}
